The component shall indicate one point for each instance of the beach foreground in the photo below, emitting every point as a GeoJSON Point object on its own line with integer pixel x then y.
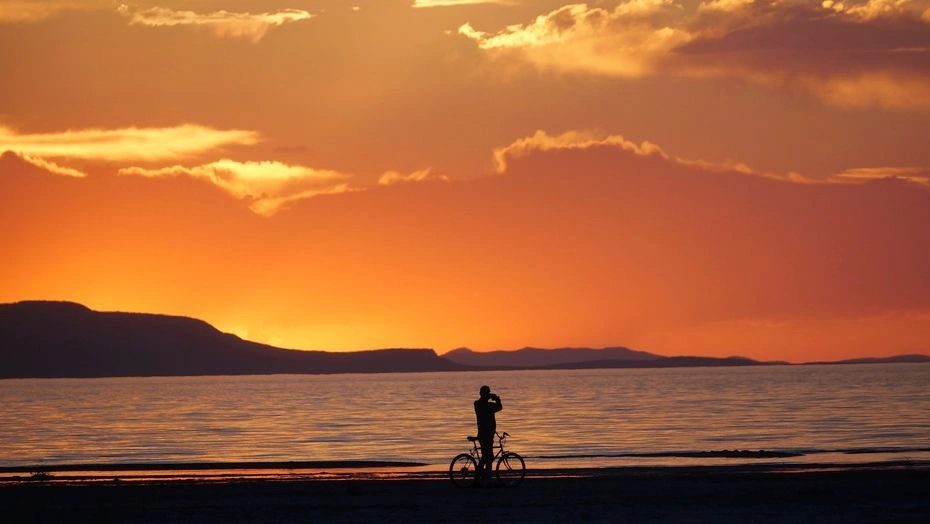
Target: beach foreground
{"type": "Point", "coordinates": [672, 494]}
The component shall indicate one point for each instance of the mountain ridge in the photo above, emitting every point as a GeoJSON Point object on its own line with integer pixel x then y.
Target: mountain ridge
{"type": "Point", "coordinates": [40, 339]}
{"type": "Point", "coordinates": [895, 359]}
{"type": "Point", "coordinates": [589, 358]}
{"type": "Point", "coordinates": [545, 357]}
{"type": "Point", "coordinates": [58, 339]}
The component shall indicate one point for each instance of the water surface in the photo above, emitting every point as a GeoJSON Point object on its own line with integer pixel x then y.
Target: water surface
{"type": "Point", "coordinates": [557, 418]}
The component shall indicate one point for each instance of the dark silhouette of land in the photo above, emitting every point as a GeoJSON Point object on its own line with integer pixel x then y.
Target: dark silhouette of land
{"type": "Point", "coordinates": [62, 339]}
{"type": "Point", "coordinates": [40, 339]}
{"type": "Point", "coordinates": [897, 359]}
{"type": "Point", "coordinates": [587, 358]}
{"type": "Point", "coordinates": [538, 357]}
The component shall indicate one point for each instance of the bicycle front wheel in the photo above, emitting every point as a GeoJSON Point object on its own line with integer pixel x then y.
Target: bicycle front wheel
{"type": "Point", "coordinates": [510, 469]}
{"type": "Point", "coordinates": [463, 470]}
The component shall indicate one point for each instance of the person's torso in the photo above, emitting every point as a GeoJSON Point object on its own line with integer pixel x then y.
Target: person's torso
{"type": "Point", "coordinates": [485, 415]}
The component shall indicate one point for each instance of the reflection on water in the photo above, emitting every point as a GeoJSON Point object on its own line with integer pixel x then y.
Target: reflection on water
{"type": "Point", "coordinates": [424, 417]}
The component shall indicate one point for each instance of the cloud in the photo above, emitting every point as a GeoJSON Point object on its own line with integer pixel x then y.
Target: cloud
{"type": "Point", "coordinates": [724, 5]}
{"type": "Point", "coordinates": [393, 177]}
{"type": "Point", "coordinates": [876, 56]}
{"type": "Point", "coordinates": [129, 144]}
{"type": "Point", "coordinates": [580, 141]}
{"type": "Point", "coordinates": [124, 144]}
{"type": "Point", "coordinates": [626, 41]}
{"type": "Point", "coordinates": [918, 175]}
{"type": "Point", "coordinates": [51, 167]}
{"type": "Point", "coordinates": [541, 141]}
{"type": "Point", "coordinates": [224, 24]}
{"type": "Point", "coordinates": [450, 3]}
{"type": "Point", "coordinates": [872, 8]}
{"type": "Point", "coordinates": [873, 54]}
{"type": "Point", "coordinates": [269, 186]}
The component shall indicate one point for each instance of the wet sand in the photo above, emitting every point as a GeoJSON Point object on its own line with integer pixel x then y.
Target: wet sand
{"type": "Point", "coordinates": [827, 493]}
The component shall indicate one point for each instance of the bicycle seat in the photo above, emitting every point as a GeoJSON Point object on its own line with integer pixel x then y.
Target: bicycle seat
{"type": "Point", "coordinates": [472, 439]}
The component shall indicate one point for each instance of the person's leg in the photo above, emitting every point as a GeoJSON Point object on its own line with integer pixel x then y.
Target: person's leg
{"type": "Point", "coordinates": [487, 454]}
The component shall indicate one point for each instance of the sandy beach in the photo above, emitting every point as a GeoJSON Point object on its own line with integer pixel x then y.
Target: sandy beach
{"type": "Point", "coordinates": [783, 493]}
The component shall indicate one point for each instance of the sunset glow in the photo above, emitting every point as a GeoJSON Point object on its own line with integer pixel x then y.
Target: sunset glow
{"type": "Point", "coordinates": [716, 177]}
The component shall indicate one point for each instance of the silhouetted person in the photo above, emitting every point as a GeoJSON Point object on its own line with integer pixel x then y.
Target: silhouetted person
{"type": "Point", "coordinates": [485, 408]}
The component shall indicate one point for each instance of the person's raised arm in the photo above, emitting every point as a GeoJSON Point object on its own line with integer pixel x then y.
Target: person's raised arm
{"type": "Point", "coordinates": [496, 404]}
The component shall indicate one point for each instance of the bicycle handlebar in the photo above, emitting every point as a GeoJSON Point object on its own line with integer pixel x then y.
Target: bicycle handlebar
{"type": "Point", "coordinates": [499, 436]}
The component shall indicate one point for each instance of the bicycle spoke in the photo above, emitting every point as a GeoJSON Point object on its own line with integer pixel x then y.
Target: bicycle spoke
{"type": "Point", "coordinates": [462, 470]}
{"type": "Point", "coordinates": [511, 469]}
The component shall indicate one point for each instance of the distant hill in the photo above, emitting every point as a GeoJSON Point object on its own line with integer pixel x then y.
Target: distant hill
{"type": "Point", "coordinates": [63, 339]}
{"type": "Point", "coordinates": [585, 358]}
{"type": "Point", "coordinates": [664, 362]}
{"type": "Point", "coordinates": [539, 357]}
{"type": "Point", "coordinates": [897, 359]}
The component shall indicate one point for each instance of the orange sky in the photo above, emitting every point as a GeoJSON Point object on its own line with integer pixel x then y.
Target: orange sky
{"type": "Point", "coordinates": [715, 178]}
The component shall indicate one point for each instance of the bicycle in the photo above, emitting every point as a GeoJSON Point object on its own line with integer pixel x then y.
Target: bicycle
{"type": "Point", "coordinates": [510, 470]}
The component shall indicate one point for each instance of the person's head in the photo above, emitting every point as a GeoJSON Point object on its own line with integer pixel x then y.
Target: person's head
{"type": "Point", "coordinates": [485, 391]}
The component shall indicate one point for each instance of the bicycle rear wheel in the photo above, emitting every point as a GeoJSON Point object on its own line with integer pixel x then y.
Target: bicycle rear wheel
{"type": "Point", "coordinates": [510, 469]}
{"type": "Point", "coordinates": [463, 471]}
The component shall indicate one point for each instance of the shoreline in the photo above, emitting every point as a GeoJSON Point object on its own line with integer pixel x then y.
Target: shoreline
{"type": "Point", "coordinates": [196, 466]}
{"type": "Point", "coordinates": [837, 493]}
{"type": "Point", "coordinates": [737, 457]}
{"type": "Point", "coordinates": [392, 471]}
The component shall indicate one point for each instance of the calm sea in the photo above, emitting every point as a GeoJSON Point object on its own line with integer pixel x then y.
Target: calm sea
{"type": "Point", "coordinates": [557, 418]}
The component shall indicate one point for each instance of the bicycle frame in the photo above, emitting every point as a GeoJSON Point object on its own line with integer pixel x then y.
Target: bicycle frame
{"type": "Point", "coordinates": [466, 468]}
{"type": "Point", "coordinates": [499, 448]}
